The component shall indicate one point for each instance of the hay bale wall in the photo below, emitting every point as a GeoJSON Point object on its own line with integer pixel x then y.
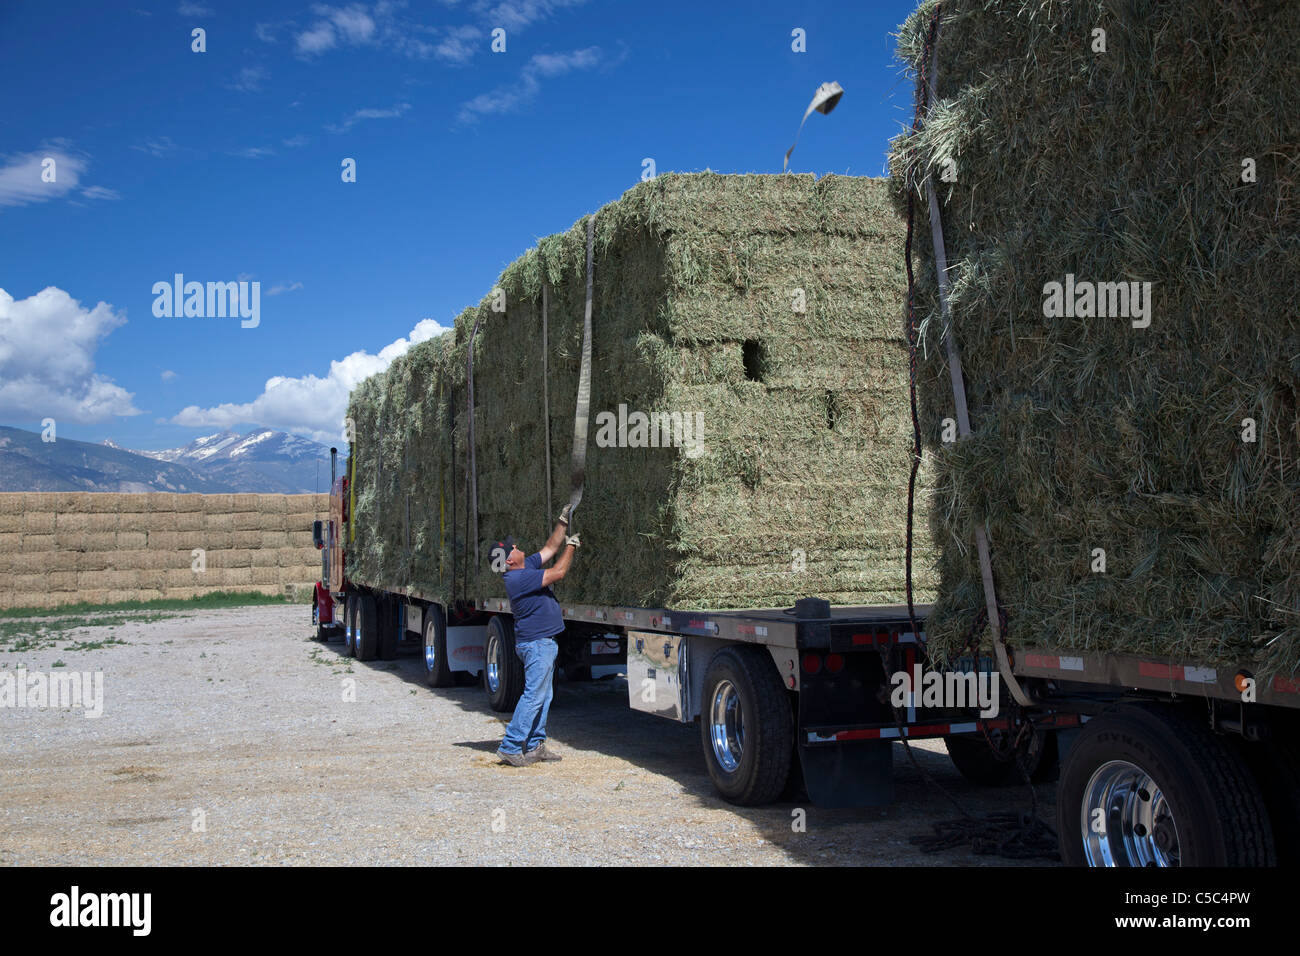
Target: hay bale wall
{"type": "Point", "coordinates": [1089, 433]}
{"type": "Point", "coordinates": [805, 438]}
{"type": "Point", "coordinates": [60, 548]}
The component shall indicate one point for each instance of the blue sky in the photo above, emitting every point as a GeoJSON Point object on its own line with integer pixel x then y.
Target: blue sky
{"type": "Point", "coordinates": [226, 164]}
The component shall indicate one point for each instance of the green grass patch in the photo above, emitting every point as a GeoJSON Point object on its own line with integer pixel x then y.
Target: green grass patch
{"type": "Point", "coordinates": [214, 599]}
{"type": "Point", "coordinates": [28, 633]}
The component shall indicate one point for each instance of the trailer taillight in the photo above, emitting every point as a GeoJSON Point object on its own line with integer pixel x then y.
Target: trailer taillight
{"type": "Point", "coordinates": [812, 663]}
{"type": "Point", "coordinates": [834, 663]}
{"type": "Point", "coordinates": [875, 638]}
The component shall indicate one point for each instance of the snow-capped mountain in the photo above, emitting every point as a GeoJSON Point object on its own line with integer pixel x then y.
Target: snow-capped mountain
{"type": "Point", "coordinates": [263, 444]}
{"type": "Point", "coordinates": [29, 464]}
{"type": "Point", "coordinates": [263, 460]}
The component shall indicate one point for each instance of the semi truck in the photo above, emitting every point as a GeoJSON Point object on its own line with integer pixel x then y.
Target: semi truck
{"type": "Point", "coordinates": [1157, 762]}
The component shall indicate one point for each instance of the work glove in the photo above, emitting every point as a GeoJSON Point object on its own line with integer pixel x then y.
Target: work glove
{"type": "Point", "coordinates": [573, 540]}
{"type": "Point", "coordinates": [564, 515]}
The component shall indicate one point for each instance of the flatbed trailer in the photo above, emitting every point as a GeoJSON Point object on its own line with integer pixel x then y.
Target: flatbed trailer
{"type": "Point", "coordinates": [1159, 762]}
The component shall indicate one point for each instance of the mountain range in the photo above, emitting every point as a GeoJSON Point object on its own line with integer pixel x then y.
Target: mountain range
{"type": "Point", "coordinates": [263, 460]}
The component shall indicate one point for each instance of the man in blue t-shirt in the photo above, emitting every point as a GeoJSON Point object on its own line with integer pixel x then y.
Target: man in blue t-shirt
{"type": "Point", "coordinates": [537, 621]}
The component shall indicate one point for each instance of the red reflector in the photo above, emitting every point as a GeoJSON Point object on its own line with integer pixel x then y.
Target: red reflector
{"type": "Point", "coordinates": [812, 663]}
{"type": "Point", "coordinates": [834, 663]}
{"type": "Point", "coordinates": [863, 638]}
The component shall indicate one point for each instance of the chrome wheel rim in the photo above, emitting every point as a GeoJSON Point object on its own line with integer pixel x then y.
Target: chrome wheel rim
{"type": "Point", "coordinates": [727, 726]}
{"type": "Point", "coordinates": [492, 666]}
{"type": "Point", "coordinates": [349, 629]}
{"type": "Point", "coordinates": [1135, 825]}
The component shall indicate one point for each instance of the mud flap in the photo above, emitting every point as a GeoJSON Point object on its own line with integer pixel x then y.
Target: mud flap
{"type": "Point", "coordinates": [852, 774]}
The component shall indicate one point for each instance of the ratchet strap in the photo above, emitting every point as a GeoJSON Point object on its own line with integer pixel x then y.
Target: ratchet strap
{"type": "Point", "coordinates": [963, 415]}
{"type": "Point", "coordinates": [546, 410]}
{"type": "Point", "coordinates": [471, 489]}
{"type": "Point", "coordinates": [584, 390]}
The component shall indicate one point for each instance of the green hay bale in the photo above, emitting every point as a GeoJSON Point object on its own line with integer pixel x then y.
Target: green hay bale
{"type": "Point", "coordinates": [799, 485]}
{"type": "Point", "coordinates": [1090, 433]}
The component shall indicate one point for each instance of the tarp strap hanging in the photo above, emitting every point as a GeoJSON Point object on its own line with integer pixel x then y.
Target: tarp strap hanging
{"type": "Point", "coordinates": [963, 414]}
{"type": "Point", "coordinates": [471, 502]}
{"type": "Point", "coordinates": [451, 483]}
{"type": "Point", "coordinates": [584, 389]}
{"type": "Point", "coordinates": [546, 410]}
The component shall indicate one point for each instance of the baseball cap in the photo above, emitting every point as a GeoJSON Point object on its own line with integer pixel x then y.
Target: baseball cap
{"type": "Point", "coordinates": [503, 547]}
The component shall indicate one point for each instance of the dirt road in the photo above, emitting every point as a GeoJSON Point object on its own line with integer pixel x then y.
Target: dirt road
{"type": "Point", "coordinates": [226, 739]}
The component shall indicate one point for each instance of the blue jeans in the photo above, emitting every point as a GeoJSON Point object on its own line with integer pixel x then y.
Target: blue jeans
{"type": "Point", "coordinates": [527, 728]}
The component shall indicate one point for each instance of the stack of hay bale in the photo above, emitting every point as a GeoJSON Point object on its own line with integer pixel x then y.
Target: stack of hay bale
{"type": "Point", "coordinates": [769, 305]}
{"type": "Point", "coordinates": [1163, 149]}
{"type": "Point", "coordinates": [70, 547]}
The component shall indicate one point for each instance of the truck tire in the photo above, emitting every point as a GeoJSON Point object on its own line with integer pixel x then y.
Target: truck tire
{"type": "Point", "coordinates": [437, 669]}
{"type": "Point", "coordinates": [390, 629]}
{"type": "Point", "coordinates": [350, 624]}
{"type": "Point", "coordinates": [503, 671]}
{"type": "Point", "coordinates": [746, 726]}
{"type": "Point", "coordinates": [324, 632]}
{"type": "Point", "coordinates": [1168, 791]}
{"type": "Point", "coordinates": [975, 760]}
{"type": "Point", "coordinates": [365, 641]}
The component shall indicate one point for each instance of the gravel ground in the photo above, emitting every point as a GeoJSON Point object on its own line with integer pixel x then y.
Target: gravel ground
{"type": "Point", "coordinates": [226, 739]}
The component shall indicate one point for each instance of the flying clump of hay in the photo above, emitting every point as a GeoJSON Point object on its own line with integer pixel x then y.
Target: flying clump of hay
{"type": "Point", "coordinates": [764, 312]}
{"type": "Point", "coordinates": [1102, 143]}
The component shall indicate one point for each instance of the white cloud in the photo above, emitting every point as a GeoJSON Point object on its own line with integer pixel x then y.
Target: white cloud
{"type": "Point", "coordinates": [458, 45]}
{"type": "Point", "coordinates": [381, 25]}
{"type": "Point", "coordinates": [191, 9]}
{"type": "Point", "coordinates": [358, 25]}
{"type": "Point", "coordinates": [357, 116]}
{"type": "Point", "coordinates": [509, 97]}
{"type": "Point", "coordinates": [517, 14]}
{"type": "Point", "coordinates": [47, 359]}
{"type": "Point", "coordinates": [352, 23]}
{"type": "Point", "coordinates": [248, 80]}
{"type": "Point", "coordinates": [253, 152]}
{"type": "Point", "coordinates": [162, 146]}
{"type": "Point", "coordinates": [295, 141]}
{"type": "Point", "coordinates": [310, 405]}
{"type": "Point", "coordinates": [21, 177]}
{"type": "Point", "coordinates": [167, 375]}
{"type": "Point", "coordinates": [283, 287]}
{"type": "Point", "coordinates": [100, 192]}
{"type": "Point", "coordinates": [318, 39]}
